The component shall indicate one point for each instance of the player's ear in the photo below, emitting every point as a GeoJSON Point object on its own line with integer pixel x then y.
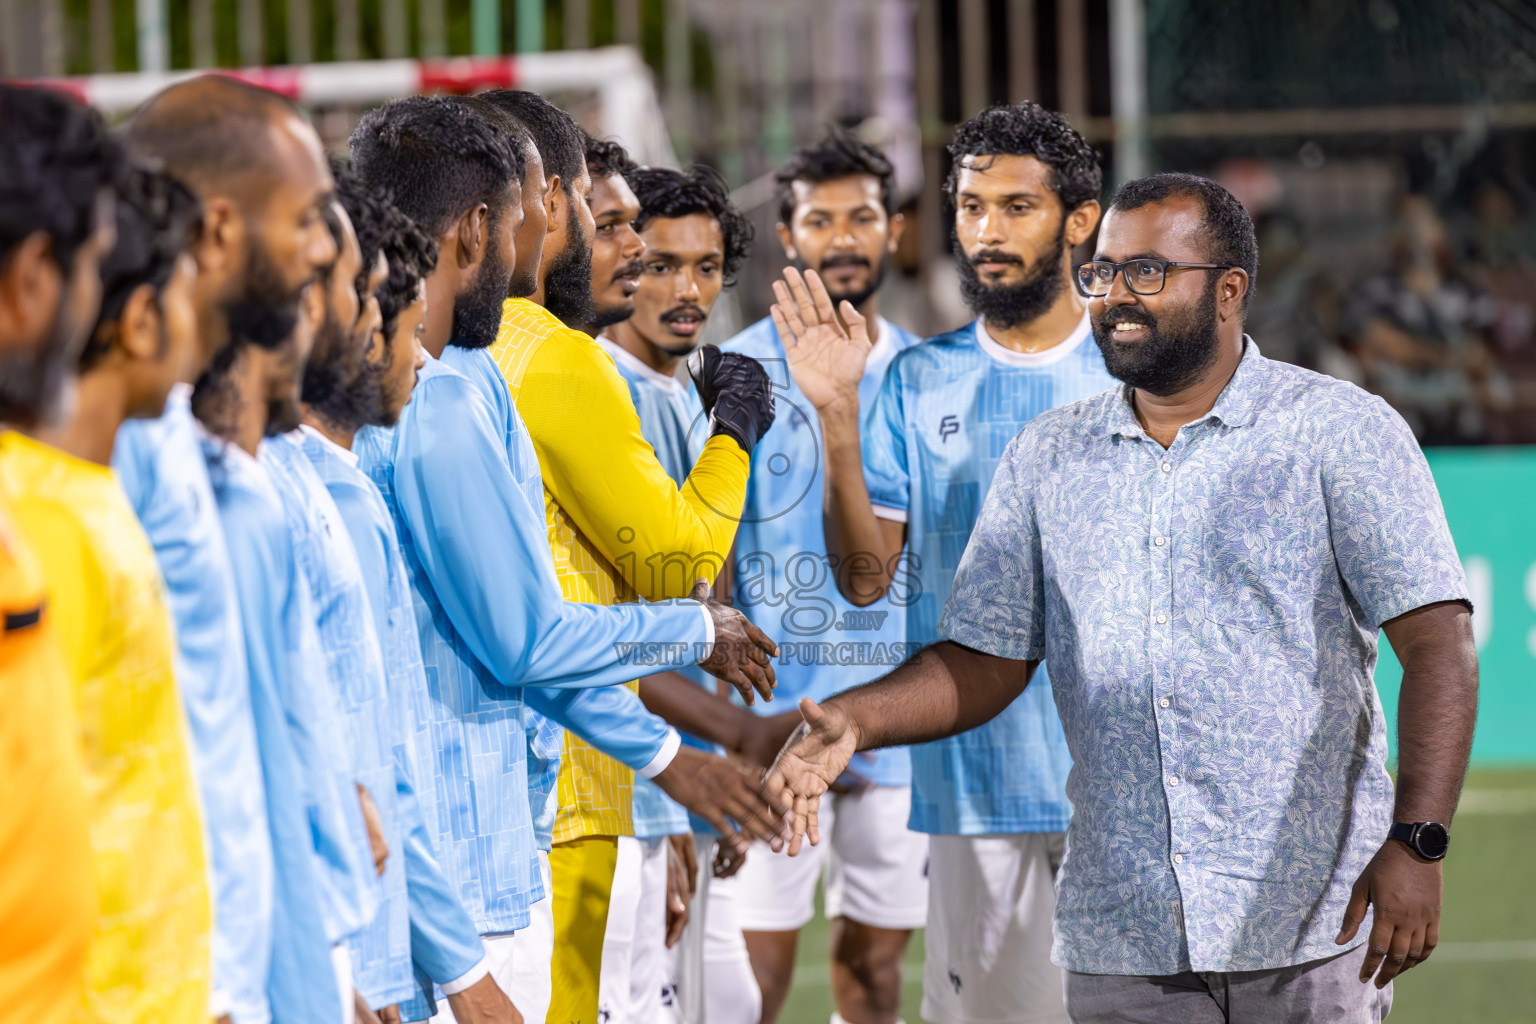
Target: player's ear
{"type": "Point", "coordinates": [898, 228]}
{"type": "Point", "coordinates": [138, 326]}
{"type": "Point", "coordinates": [785, 240]}
{"type": "Point", "coordinates": [1081, 222]}
{"type": "Point", "coordinates": [555, 201]}
{"type": "Point", "coordinates": [221, 238]}
{"type": "Point", "coordinates": [472, 236]}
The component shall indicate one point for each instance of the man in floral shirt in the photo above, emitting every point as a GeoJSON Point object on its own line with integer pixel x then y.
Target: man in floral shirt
{"type": "Point", "coordinates": [1206, 557]}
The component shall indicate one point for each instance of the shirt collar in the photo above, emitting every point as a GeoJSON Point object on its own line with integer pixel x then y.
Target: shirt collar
{"type": "Point", "coordinates": [345, 454]}
{"type": "Point", "coordinates": [625, 358]}
{"type": "Point", "coordinates": [1236, 406]}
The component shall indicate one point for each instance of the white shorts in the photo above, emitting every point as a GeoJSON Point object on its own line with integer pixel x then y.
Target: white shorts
{"type": "Point", "coordinates": [876, 868]}
{"type": "Point", "coordinates": [635, 977]}
{"type": "Point", "coordinates": [520, 961]}
{"type": "Point", "coordinates": [988, 944]}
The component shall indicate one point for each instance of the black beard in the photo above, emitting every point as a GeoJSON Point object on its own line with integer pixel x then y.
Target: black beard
{"type": "Point", "coordinates": [1180, 348]}
{"type": "Point", "coordinates": [568, 284]}
{"type": "Point", "coordinates": [477, 312]}
{"type": "Point", "coordinates": [35, 384]}
{"type": "Point", "coordinates": [1008, 306]}
{"type": "Point", "coordinates": [861, 295]}
{"type": "Point", "coordinates": [602, 318]}
{"type": "Point", "coordinates": [345, 403]}
{"type": "Point", "coordinates": [266, 313]}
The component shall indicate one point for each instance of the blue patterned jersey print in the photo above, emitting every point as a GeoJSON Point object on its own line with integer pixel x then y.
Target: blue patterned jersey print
{"type": "Point", "coordinates": [355, 666]}
{"type": "Point", "coordinates": [160, 464]}
{"type": "Point", "coordinates": [673, 421]}
{"type": "Point", "coordinates": [492, 620]}
{"type": "Point", "coordinates": [945, 413]}
{"type": "Point", "coordinates": [1211, 614]}
{"type": "Point", "coordinates": [295, 733]}
{"type": "Point", "coordinates": [783, 581]}
{"type": "Point", "coordinates": [442, 939]}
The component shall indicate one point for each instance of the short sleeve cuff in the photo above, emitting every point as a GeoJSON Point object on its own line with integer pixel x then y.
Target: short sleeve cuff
{"type": "Point", "coordinates": [664, 757]}
{"type": "Point", "coordinates": [219, 1003]}
{"type": "Point", "coordinates": [467, 979]}
{"type": "Point", "coordinates": [708, 647]}
{"type": "Point", "coordinates": [1014, 648]}
{"type": "Point", "coordinates": [895, 515]}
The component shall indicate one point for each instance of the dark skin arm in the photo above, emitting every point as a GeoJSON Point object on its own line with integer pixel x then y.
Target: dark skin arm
{"type": "Point", "coordinates": [755, 738]}
{"type": "Point", "coordinates": [1437, 711]}
{"type": "Point", "coordinates": [922, 700]}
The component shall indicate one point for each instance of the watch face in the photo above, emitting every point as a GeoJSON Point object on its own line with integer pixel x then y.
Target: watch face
{"type": "Point", "coordinates": [1433, 840]}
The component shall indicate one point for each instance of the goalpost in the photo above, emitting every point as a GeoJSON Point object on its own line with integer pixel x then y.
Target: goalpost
{"type": "Point", "coordinates": [610, 89]}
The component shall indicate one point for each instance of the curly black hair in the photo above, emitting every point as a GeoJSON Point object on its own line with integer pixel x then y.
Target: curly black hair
{"type": "Point", "coordinates": [664, 192]}
{"type": "Point", "coordinates": [58, 155]}
{"type": "Point", "coordinates": [1228, 229]}
{"type": "Point", "coordinates": [156, 218]}
{"type": "Point", "coordinates": [435, 159]}
{"type": "Point", "coordinates": [605, 158]}
{"type": "Point", "coordinates": [1028, 129]}
{"type": "Point", "coordinates": [839, 154]}
{"type": "Point", "coordinates": [381, 227]}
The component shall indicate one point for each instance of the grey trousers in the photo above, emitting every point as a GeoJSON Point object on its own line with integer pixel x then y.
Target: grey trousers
{"type": "Point", "coordinates": [1319, 992]}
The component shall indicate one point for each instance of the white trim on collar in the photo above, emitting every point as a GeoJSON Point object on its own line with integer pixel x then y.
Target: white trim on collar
{"type": "Point", "coordinates": [624, 357]}
{"type": "Point", "coordinates": [346, 454]}
{"type": "Point", "coordinates": [1048, 357]}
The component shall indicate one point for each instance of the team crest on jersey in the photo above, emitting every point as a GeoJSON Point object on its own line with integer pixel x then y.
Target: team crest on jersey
{"type": "Point", "coordinates": [948, 425]}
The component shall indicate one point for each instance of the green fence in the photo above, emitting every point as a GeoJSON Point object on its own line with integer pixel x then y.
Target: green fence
{"type": "Point", "coordinates": [1490, 501]}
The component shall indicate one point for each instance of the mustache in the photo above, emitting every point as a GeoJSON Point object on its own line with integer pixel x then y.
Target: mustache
{"type": "Point", "coordinates": [851, 260]}
{"type": "Point", "coordinates": [993, 256]}
{"type": "Point", "coordinates": [634, 268]}
{"type": "Point", "coordinates": [1125, 315]}
{"type": "Point", "coordinates": [679, 312]}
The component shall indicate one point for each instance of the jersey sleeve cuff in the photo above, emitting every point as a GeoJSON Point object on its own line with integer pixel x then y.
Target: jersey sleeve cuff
{"type": "Point", "coordinates": [895, 515]}
{"type": "Point", "coordinates": [467, 979]}
{"type": "Point", "coordinates": [663, 758]}
{"type": "Point", "coordinates": [708, 647]}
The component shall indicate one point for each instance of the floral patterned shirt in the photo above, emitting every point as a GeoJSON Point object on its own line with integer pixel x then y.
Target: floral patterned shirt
{"type": "Point", "coordinates": [1210, 614]}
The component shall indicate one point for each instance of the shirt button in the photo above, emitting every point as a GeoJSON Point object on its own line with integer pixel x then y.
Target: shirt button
{"type": "Point", "coordinates": [1167, 467]}
{"type": "Point", "coordinates": [1163, 703]}
{"type": "Point", "coordinates": [1178, 858]}
{"type": "Point", "coordinates": [1162, 620]}
{"type": "Point", "coordinates": [1173, 780]}
{"type": "Point", "coordinates": [1160, 541]}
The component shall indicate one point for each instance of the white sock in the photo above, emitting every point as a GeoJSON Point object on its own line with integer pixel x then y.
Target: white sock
{"type": "Point", "coordinates": [838, 1018]}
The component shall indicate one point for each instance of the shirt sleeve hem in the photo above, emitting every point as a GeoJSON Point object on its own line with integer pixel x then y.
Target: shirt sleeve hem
{"type": "Point", "coordinates": [895, 515]}
{"type": "Point", "coordinates": [467, 979]}
{"type": "Point", "coordinates": [1413, 602]}
{"type": "Point", "coordinates": [967, 635]}
{"type": "Point", "coordinates": [664, 756]}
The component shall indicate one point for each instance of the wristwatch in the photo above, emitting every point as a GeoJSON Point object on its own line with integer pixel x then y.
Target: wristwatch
{"type": "Point", "coordinates": [1428, 839]}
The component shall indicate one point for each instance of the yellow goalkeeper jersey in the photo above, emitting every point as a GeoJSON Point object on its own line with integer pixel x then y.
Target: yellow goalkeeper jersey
{"type": "Point", "coordinates": [619, 528]}
{"type": "Point", "coordinates": [148, 961]}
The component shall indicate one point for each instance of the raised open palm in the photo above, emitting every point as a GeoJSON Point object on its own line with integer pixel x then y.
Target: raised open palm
{"type": "Point", "coordinates": [813, 758]}
{"type": "Point", "coordinates": [825, 358]}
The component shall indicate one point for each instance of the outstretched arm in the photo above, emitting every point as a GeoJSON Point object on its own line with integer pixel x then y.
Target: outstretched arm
{"type": "Point", "coordinates": [925, 699]}
{"type": "Point", "coordinates": [827, 361]}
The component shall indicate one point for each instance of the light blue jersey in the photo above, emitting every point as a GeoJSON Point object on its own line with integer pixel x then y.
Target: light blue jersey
{"type": "Point", "coordinates": [940, 423]}
{"type": "Point", "coordinates": [380, 946]}
{"type": "Point", "coordinates": [457, 474]}
{"type": "Point", "coordinates": [442, 939]}
{"type": "Point", "coordinates": [160, 465]}
{"type": "Point", "coordinates": [672, 419]}
{"type": "Point", "coordinates": [613, 720]}
{"type": "Point", "coordinates": [783, 580]}
{"type": "Point", "coordinates": [295, 728]}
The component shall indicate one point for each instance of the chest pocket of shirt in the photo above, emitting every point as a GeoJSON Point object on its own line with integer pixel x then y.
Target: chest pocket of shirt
{"type": "Point", "coordinates": [1244, 572]}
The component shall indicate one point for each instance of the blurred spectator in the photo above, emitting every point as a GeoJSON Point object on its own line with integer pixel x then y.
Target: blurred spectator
{"type": "Point", "coordinates": [1421, 334]}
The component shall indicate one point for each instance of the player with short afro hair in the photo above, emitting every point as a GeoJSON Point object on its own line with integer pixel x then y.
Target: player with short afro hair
{"type": "Point", "coordinates": [1028, 129]}
{"type": "Point", "coordinates": [838, 154]}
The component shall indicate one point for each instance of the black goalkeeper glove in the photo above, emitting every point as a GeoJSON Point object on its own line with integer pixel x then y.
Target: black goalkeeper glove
{"type": "Point", "coordinates": [735, 392]}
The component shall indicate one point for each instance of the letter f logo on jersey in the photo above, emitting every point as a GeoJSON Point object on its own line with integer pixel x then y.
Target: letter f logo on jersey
{"type": "Point", "coordinates": [948, 425]}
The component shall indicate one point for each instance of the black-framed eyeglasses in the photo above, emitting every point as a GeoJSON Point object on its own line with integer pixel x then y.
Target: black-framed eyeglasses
{"type": "Point", "coordinates": [1143, 276]}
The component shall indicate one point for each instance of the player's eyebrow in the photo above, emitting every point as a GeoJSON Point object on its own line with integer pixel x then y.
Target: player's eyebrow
{"type": "Point", "coordinates": [1033, 197]}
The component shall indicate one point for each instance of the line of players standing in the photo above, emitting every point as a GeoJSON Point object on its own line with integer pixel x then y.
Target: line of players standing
{"type": "Point", "coordinates": [401, 520]}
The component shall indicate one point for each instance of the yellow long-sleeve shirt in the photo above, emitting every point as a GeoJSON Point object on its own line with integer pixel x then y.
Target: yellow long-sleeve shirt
{"type": "Point", "coordinates": [148, 961]}
{"type": "Point", "coordinates": [618, 526]}
{"type": "Point", "coordinates": [47, 877]}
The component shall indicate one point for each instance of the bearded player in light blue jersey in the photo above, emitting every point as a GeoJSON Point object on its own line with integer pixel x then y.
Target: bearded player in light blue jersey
{"type": "Point", "coordinates": [352, 381]}
{"type": "Point", "coordinates": [462, 481]}
{"type": "Point", "coordinates": [837, 217]}
{"type": "Point", "coordinates": [1025, 187]}
{"type": "Point", "coordinates": [677, 236]}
